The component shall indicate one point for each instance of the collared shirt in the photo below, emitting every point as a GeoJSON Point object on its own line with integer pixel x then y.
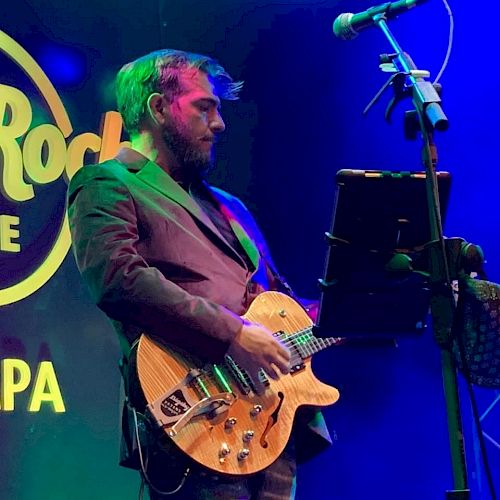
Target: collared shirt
{"type": "Point", "coordinates": [210, 206]}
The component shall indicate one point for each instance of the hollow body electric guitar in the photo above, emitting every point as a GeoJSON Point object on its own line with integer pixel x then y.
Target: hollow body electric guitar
{"type": "Point", "coordinates": [212, 413]}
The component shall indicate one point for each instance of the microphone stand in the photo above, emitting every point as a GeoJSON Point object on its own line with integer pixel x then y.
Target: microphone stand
{"type": "Point", "coordinates": [428, 116]}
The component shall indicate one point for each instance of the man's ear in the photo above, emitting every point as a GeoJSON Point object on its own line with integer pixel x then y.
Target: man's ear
{"type": "Point", "coordinates": [157, 108]}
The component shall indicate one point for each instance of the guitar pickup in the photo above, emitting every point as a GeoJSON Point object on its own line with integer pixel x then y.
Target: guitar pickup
{"type": "Point", "coordinates": [240, 377]}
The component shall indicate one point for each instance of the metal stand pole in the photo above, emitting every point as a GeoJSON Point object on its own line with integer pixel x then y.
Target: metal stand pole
{"type": "Point", "coordinates": [431, 117]}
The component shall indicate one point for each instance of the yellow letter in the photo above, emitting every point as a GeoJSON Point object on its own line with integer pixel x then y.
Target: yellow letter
{"type": "Point", "coordinates": [9, 384]}
{"type": "Point", "coordinates": [46, 378]}
{"type": "Point", "coordinates": [7, 233]}
{"type": "Point", "coordinates": [111, 133]}
{"type": "Point", "coordinates": [33, 148]}
{"type": "Point", "coordinates": [107, 147]}
{"type": "Point", "coordinates": [15, 113]}
{"type": "Point", "coordinates": [77, 149]}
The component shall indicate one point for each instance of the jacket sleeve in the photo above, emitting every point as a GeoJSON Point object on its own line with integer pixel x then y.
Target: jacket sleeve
{"type": "Point", "coordinates": [105, 233]}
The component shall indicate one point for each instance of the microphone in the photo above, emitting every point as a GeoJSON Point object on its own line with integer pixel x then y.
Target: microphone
{"type": "Point", "coordinates": [347, 25]}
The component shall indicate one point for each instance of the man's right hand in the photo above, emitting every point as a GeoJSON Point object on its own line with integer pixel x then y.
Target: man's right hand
{"type": "Point", "coordinates": [255, 347]}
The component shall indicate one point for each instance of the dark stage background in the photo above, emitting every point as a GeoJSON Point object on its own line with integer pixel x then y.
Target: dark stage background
{"type": "Point", "coordinates": [298, 122]}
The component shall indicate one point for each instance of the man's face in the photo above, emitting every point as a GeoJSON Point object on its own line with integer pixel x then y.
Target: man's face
{"type": "Point", "coordinates": [194, 123]}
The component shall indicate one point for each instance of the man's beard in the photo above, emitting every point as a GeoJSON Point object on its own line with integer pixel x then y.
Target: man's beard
{"type": "Point", "coordinates": [195, 163]}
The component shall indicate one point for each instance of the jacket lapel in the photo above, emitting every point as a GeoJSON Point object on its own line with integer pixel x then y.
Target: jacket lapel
{"type": "Point", "coordinates": [155, 177]}
{"type": "Point", "coordinates": [242, 235]}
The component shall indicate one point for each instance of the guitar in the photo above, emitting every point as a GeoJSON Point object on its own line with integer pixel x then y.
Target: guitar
{"type": "Point", "coordinates": [212, 413]}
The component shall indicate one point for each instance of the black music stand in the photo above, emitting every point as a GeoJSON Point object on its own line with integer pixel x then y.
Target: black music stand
{"type": "Point", "coordinates": [375, 282]}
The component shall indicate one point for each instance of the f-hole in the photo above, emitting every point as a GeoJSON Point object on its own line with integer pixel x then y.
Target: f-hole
{"type": "Point", "coordinates": [271, 421]}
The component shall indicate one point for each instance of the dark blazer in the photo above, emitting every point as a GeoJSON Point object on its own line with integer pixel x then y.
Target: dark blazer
{"type": "Point", "coordinates": [155, 262]}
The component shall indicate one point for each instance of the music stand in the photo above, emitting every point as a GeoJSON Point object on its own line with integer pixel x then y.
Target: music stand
{"type": "Point", "coordinates": [376, 272]}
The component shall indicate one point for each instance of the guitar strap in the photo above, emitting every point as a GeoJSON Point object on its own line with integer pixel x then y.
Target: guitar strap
{"type": "Point", "coordinates": [280, 280]}
{"type": "Point", "coordinates": [284, 287]}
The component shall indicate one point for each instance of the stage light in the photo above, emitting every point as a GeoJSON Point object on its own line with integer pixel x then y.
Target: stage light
{"type": "Point", "coordinates": [64, 65]}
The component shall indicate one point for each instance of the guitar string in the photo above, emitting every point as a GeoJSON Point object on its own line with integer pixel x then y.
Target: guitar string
{"type": "Point", "coordinates": [290, 341]}
{"type": "Point", "coordinates": [311, 346]}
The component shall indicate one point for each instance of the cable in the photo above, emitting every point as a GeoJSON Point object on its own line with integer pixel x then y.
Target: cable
{"type": "Point", "coordinates": [477, 422]}
{"type": "Point", "coordinates": [145, 478]}
{"type": "Point", "coordinates": [450, 42]}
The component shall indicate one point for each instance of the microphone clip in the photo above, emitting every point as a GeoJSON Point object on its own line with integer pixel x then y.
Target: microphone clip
{"type": "Point", "coordinates": [398, 81]}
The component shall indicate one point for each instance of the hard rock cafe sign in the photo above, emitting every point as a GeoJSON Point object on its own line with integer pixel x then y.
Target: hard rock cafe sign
{"type": "Point", "coordinates": [33, 157]}
{"type": "Point", "coordinates": [36, 156]}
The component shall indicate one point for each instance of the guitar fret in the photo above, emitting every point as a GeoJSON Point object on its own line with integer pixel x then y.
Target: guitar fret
{"type": "Point", "coordinates": [316, 345]}
{"type": "Point", "coordinates": [310, 346]}
{"type": "Point", "coordinates": [320, 345]}
{"type": "Point", "coordinates": [308, 349]}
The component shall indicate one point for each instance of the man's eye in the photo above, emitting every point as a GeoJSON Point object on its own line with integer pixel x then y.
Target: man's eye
{"type": "Point", "coordinates": [204, 108]}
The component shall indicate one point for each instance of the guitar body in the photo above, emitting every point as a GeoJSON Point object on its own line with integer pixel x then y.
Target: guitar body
{"type": "Point", "coordinates": [217, 440]}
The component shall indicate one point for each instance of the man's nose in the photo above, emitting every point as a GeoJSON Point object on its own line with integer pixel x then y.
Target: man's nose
{"type": "Point", "coordinates": [217, 124]}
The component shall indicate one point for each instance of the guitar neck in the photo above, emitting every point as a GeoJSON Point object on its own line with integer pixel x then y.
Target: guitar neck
{"type": "Point", "coordinates": [306, 344]}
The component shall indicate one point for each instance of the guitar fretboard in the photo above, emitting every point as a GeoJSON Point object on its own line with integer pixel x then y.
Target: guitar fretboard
{"type": "Point", "coordinates": [306, 344]}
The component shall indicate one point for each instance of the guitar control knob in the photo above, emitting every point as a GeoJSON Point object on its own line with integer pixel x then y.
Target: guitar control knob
{"type": "Point", "coordinates": [224, 450]}
{"type": "Point", "coordinates": [248, 436]}
{"type": "Point", "coordinates": [230, 423]}
{"type": "Point", "coordinates": [256, 410]}
{"type": "Point", "coordinates": [243, 454]}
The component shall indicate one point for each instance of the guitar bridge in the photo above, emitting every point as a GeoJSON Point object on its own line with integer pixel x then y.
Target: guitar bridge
{"type": "Point", "coordinates": [178, 407]}
{"type": "Point", "coordinates": [170, 407]}
{"type": "Point", "coordinates": [217, 403]}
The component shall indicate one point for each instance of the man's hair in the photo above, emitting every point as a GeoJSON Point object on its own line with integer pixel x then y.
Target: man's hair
{"type": "Point", "coordinates": [159, 72]}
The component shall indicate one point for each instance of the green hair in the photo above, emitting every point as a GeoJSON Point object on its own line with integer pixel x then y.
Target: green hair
{"type": "Point", "coordinates": [159, 72]}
